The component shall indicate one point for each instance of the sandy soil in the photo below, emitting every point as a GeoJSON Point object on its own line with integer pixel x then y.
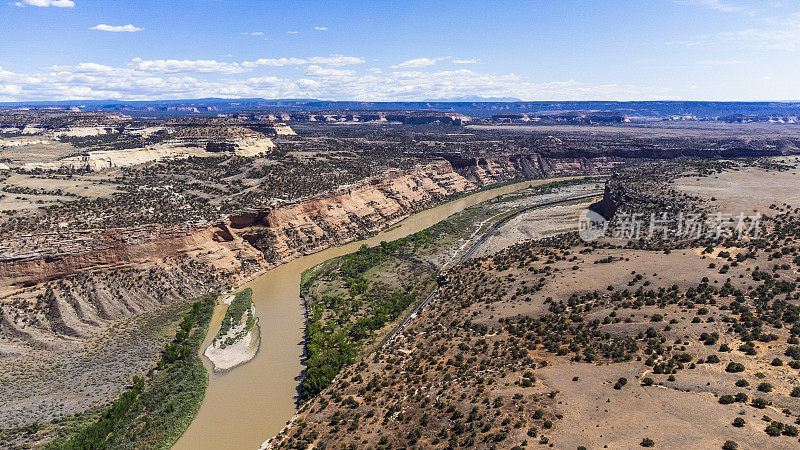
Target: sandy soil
{"type": "Point", "coordinates": [596, 415]}
{"type": "Point", "coordinates": [678, 411]}
{"type": "Point", "coordinates": [537, 223]}
{"type": "Point", "coordinates": [747, 190]}
{"type": "Point", "coordinates": [546, 221]}
{"type": "Point", "coordinates": [37, 151]}
{"type": "Point", "coordinates": [59, 378]}
{"type": "Point", "coordinates": [74, 187]}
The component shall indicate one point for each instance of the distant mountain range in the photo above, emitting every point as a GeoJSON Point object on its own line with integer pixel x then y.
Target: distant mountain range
{"type": "Point", "coordinates": [474, 98]}
{"type": "Point", "coordinates": [471, 106]}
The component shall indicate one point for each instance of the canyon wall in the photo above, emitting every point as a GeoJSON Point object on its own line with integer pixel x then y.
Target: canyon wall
{"type": "Point", "coordinates": [268, 237]}
{"type": "Point", "coordinates": [38, 259]}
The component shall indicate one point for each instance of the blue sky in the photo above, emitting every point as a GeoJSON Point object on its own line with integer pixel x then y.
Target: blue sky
{"type": "Point", "coordinates": [400, 50]}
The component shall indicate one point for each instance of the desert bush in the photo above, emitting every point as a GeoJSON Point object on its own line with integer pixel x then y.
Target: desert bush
{"type": "Point", "coordinates": [734, 367]}
{"type": "Point", "coordinates": [726, 399]}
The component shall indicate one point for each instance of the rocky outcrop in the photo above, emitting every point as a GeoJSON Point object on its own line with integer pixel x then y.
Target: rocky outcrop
{"type": "Point", "coordinates": [607, 206]}
{"type": "Point", "coordinates": [177, 149]}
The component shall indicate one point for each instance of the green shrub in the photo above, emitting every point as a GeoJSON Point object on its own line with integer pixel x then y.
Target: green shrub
{"type": "Point", "coordinates": [774, 429]}
{"type": "Point", "coordinates": [759, 403]}
{"type": "Point", "coordinates": [726, 399]}
{"type": "Point", "coordinates": [734, 367]}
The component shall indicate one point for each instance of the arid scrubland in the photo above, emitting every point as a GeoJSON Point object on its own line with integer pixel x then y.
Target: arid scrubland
{"type": "Point", "coordinates": [618, 343]}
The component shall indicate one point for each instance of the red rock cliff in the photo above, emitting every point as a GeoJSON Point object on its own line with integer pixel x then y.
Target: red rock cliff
{"type": "Point", "coordinates": [269, 237]}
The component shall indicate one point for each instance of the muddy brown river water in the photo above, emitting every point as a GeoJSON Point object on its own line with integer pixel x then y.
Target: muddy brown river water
{"type": "Point", "coordinates": [251, 403]}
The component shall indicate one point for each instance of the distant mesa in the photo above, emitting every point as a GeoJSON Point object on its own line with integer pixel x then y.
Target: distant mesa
{"type": "Point", "coordinates": [474, 98]}
{"type": "Point", "coordinates": [364, 116]}
{"type": "Point", "coordinates": [157, 140]}
{"type": "Point", "coordinates": [568, 117]}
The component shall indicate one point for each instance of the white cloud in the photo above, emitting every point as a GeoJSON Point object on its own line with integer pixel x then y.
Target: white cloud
{"type": "Point", "coordinates": [419, 62]}
{"type": "Point", "coordinates": [46, 3]}
{"type": "Point", "coordinates": [321, 28]}
{"type": "Point", "coordinates": [187, 65]}
{"type": "Point", "coordinates": [170, 79]}
{"type": "Point", "coordinates": [8, 91]}
{"type": "Point", "coordinates": [327, 72]}
{"type": "Point", "coordinates": [211, 66]}
{"type": "Point", "coordinates": [89, 67]}
{"type": "Point", "coordinates": [335, 60]}
{"type": "Point", "coordinates": [292, 32]}
{"type": "Point", "coordinates": [274, 62]}
{"type": "Point", "coordinates": [764, 33]}
{"type": "Point", "coordinates": [465, 61]}
{"type": "Point", "coordinates": [117, 28]}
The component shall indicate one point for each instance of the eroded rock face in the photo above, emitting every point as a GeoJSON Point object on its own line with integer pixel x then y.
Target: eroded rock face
{"type": "Point", "coordinates": [268, 237]}
{"type": "Point", "coordinates": [39, 259]}
{"type": "Point", "coordinates": [305, 227]}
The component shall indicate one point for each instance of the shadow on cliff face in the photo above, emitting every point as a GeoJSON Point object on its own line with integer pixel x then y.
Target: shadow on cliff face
{"type": "Point", "coordinates": [605, 207]}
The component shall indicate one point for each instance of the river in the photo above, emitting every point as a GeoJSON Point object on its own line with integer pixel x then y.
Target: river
{"type": "Point", "coordinates": [251, 403]}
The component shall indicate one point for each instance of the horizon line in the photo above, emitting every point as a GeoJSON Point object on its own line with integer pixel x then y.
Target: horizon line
{"type": "Point", "coordinates": [487, 100]}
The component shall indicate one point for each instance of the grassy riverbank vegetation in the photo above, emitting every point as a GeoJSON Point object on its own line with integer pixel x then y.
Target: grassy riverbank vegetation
{"type": "Point", "coordinates": [351, 299]}
{"type": "Point", "coordinates": [157, 408]}
{"type": "Point", "coordinates": [339, 324]}
{"type": "Point", "coordinates": [241, 304]}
